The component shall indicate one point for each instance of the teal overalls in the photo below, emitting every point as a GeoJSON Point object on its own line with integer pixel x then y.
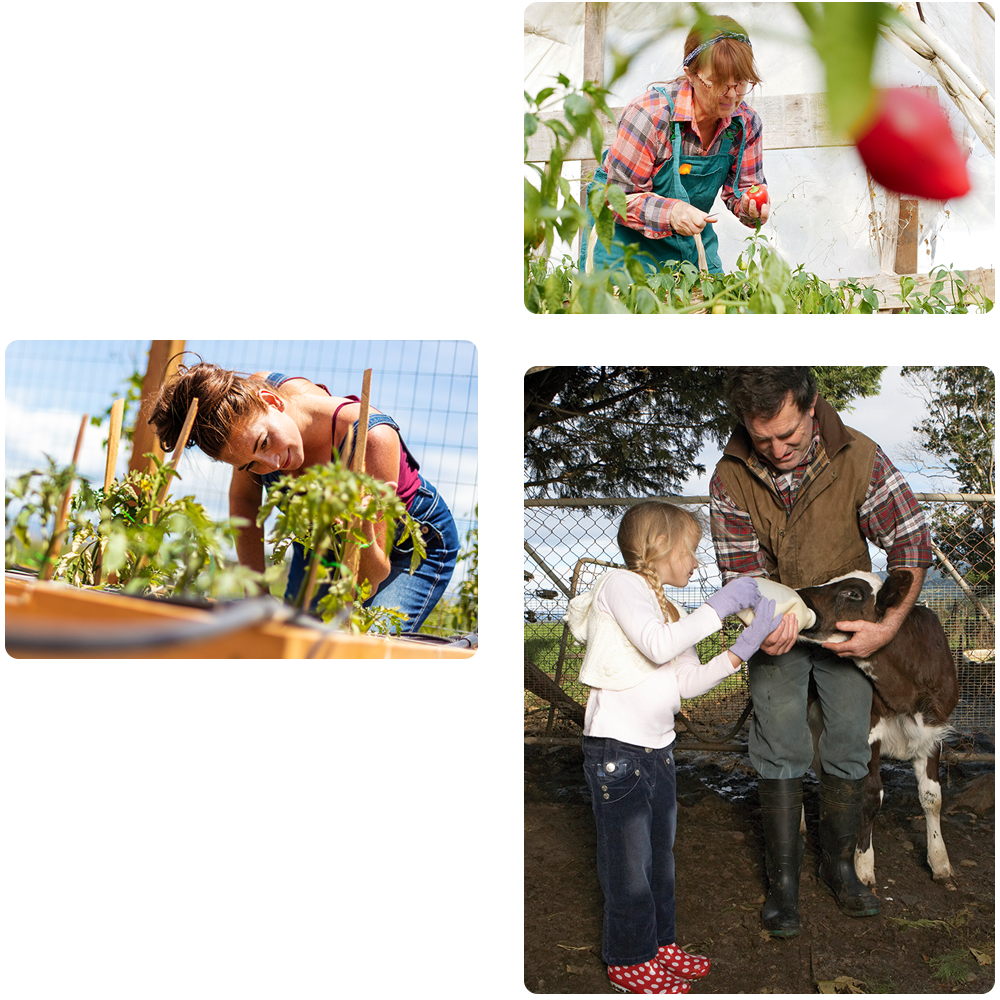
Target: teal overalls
{"type": "Point", "coordinates": [698, 188]}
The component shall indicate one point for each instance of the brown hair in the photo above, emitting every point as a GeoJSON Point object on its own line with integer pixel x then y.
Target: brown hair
{"type": "Point", "coordinates": [651, 530]}
{"type": "Point", "coordinates": [726, 59]}
{"type": "Point", "coordinates": [225, 400]}
{"type": "Point", "coordinates": [760, 392]}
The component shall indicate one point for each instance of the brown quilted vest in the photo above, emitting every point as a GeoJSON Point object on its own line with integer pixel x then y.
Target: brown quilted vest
{"type": "Point", "coordinates": [821, 538]}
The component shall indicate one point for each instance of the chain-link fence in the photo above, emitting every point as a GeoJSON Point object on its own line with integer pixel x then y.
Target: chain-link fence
{"type": "Point", "coordinates": [569, 543]}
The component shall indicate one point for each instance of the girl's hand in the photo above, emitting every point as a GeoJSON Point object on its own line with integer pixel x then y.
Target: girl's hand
{"type": "Point", "coordinates": [688, 220]}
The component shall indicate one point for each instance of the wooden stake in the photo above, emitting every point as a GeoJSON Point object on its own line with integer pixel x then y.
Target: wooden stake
{"type": "Point", "coordinates": [362, 445]}
{"type": "Point", "coordinates": [352, 554]}
{"type": "Point", "coordinates": [56, 544]}
{"type": "Point", "coordinates": [172, 464]}
{"type": "Point", "coordinates": [114, 437]}
{"type": "Point", "coordinates": [179, 447]}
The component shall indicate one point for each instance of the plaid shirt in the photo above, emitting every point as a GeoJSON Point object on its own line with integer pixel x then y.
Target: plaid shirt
{"type": "Point", "coordinates": [644, 143]}
{"type": "Point", "coordinates": [889, 515]}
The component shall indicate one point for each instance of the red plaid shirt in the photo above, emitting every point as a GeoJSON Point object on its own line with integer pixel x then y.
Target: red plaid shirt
{"type": "Point", "coordinates": [644, 143]}
{"type": "Point", "coordinates": [890, 516]}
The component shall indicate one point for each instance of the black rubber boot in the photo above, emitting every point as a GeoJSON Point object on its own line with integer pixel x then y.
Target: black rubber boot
{"type": "Point", "coordinates": [781, 813]}
{"type": "Point", "coordinates": [839, 821]}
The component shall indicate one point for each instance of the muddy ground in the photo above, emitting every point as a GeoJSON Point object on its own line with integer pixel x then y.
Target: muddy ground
{"type": "Point", "coordinates": [931, 937]}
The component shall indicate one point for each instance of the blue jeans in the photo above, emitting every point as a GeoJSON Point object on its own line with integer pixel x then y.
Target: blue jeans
{"type": "Point", "coordinates": [634, 795]}
{"type": "Point", "coordinates": [417, 594]}
{"type": "Point", "coordinates": [780, 742]}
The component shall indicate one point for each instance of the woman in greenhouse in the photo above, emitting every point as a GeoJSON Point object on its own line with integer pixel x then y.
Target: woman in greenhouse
{"type": "Point", "coordinates": [677, 145]}
{"type": "Point", "coordinates": [268, 425]}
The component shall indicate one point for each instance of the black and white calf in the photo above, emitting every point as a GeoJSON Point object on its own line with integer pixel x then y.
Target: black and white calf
{"type": "Point", "coordinates": [915, 691]}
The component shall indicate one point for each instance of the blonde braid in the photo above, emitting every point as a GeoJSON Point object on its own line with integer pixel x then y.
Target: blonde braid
{"type": "Point", "coordinates": [649, 574]}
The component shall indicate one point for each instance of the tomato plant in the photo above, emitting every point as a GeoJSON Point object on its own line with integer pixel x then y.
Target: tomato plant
{"type": "Point", "coordinates": [322, 510]}
{"type": "Point", "coordinates": [172, 548]}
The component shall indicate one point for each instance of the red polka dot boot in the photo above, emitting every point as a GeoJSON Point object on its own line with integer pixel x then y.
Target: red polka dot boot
{"type": "Point", "coordinates": [649, 977]}
{"type": "Point", "coordinates": [680, 963]}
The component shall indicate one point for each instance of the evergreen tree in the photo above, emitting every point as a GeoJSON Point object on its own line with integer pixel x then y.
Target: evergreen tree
{"type": "Point", "coordinates": [635, 431]}
{"type": "Point", "coordinates": [958, 433]}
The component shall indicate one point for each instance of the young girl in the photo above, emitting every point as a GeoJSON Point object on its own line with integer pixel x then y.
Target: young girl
{"type": "Point", "coordinates": [268, 425]}
{"type": "Point", "coordinates": [640, 661]}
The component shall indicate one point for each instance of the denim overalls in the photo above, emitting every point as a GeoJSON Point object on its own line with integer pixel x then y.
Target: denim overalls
{"type": "Point", "coordinates": [698, 188]}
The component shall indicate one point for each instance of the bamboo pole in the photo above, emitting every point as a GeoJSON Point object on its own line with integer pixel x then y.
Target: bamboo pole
{"type": "Point", "coordinates": [56, 544]}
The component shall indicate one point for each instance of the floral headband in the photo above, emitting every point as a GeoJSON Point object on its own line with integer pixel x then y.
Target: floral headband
{"type": "Point", "coordinates": [718, 38]}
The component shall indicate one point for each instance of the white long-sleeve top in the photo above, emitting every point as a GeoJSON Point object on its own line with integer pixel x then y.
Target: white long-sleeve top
{"type": "Point", "coordinates": [644, 713]}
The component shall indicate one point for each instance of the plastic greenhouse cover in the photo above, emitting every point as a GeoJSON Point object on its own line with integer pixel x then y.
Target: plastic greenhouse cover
{"type": "Point", "coordinates": [821, 203]}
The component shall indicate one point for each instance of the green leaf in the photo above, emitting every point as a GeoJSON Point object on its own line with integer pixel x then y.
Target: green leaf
{"type": "Point", "coordinates": [616, 199]}
{"type": "Point", "coordinates": [543, 95]}
{"type": "Point", "coordinates": [579, 111]}
{"type": "Point", "coordinates": [844, 36]}
{"type": "Point", "coordinates": [605, 224]}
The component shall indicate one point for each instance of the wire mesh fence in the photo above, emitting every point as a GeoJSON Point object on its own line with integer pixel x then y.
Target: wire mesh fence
{"type": "Point", "coordinates": [569, 543]}
{"type": "Point", "coordinates": [429, 387]}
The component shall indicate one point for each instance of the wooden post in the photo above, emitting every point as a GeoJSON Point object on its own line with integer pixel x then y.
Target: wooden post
{"type": "Point", "coordinates": [909, 236]}
{"type": "Point", "coordinates": [594, 29]}
{"type": "Point", "coordinates": [160, 367]}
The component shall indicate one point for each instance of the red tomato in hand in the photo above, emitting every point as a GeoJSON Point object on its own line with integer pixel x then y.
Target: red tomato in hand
{"type": "Point", "coordinates": [907, 145]}
{"type": "Point", "coordinates": [758, 195]}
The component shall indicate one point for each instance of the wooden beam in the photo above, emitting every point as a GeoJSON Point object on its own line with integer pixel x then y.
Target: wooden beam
{"type": "Point", "coordinates": [791, 121]}
{"type": "Point", "coordinates": [159, 368]}
{"type": "Point", "coordinates": [888, 284]}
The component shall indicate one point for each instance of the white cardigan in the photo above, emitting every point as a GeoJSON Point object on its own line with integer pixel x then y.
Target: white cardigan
{"type": "Point", "coordinates": [638, 666]}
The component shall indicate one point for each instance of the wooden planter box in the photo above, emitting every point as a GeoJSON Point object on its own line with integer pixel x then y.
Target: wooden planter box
{"type": "Point", "coordinates": [54, 620]}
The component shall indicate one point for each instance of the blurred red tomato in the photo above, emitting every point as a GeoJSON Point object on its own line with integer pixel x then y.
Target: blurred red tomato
{"type": "Point", "coordinates": [907, 145]}
{"type": "Point", "coordinates": [758, 195]}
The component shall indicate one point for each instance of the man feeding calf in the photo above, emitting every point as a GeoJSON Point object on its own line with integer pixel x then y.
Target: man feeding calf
{"type": "Point", "coordinates": [796, 497]}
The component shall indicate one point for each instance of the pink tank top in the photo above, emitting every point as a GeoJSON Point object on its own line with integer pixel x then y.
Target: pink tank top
{"type": "Point", "coordinates": [409, 477]}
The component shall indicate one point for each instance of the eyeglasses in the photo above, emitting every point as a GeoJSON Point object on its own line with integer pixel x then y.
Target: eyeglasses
{"type": "Point", "coordinates": [740, 87]}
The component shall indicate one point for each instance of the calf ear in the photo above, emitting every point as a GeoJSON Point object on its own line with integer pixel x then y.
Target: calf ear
{"type": "Point", "coordinates": [895, 588]}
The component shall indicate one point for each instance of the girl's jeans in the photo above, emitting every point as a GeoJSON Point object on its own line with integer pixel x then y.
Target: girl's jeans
{"type": "Point", "coordinates": [414, 595]}
{"type": "Point", "coordinates": [780, 742]}
{"type": "Point", "coordinates": [634, 794]}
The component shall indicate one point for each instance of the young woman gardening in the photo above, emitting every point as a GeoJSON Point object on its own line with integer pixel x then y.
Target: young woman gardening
{"type": "Point", "coordinates": [268, 425]}
{"type": "Point", "coordinates": [640, 662]}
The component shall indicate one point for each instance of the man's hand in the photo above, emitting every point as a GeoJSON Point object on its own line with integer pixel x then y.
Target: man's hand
{"type": "Point", "coordinates": [866, 638]}
{"type": "Point", "coordinates": [783, 637]}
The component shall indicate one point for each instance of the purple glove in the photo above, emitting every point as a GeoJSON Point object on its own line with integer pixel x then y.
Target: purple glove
{"type": "Point", "coordinates": [764, 623]}
{"type": "Point", "coordinates": [735, 596]}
